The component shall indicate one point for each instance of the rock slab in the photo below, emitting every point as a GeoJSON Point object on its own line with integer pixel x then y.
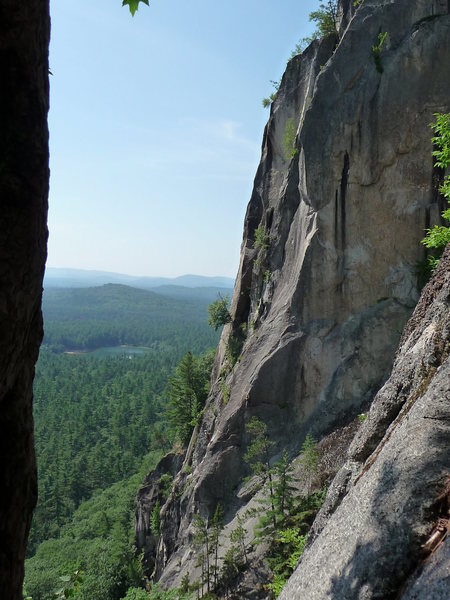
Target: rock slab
{"type": "Point", "coordinates": [372, 545]}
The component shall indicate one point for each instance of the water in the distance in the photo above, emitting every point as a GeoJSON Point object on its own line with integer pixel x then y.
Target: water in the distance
{"type": "Point", "coordinates": [128, 351]}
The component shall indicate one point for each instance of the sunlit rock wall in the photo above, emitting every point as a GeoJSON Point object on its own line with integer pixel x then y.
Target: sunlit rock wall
{"type": "Point", "coordinates": [343, 203]}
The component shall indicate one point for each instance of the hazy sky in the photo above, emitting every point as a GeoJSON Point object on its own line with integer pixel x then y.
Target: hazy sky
{"type": "Point", "coordinates": [156, 125]}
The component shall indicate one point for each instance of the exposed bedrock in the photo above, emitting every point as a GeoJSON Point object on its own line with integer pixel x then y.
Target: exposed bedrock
{"type": "Point", "coordinates": [378, 542]}
{"type": "Point", "coordinates": [149, 494]}
{"type": "Point", "coordinates": [342, 204]}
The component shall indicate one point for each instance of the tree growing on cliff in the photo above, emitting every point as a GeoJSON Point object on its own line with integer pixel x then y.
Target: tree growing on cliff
{"type": "Point", "coordinates": [237, 536]}
{"type": "Point", "coordinates": [155, 519]}
{"type": "Point", "coordinates": [437, 238]}
{"type": "Point", "coordinates": [202, 544]}
{"type": "Point", "coordinates": [236, 557]}
{"type": "Point", "coordinates": [218, 312]}
{"type": "Point", "coordinates": [283, 489]}
{"type": "Point", "coordinates": [206, 543]}
{"type": "Point", "coordinates": [325, 19]}
{"type": "Point", "coordinates": [266, 102]}
{"type": "Point", "coordinates": [258, 458]}
{"type": "Point", "coordinates": [188, 390]}
{"type": "Point", "coordinates": [309, 460]}
{"type": "Point", "coordinates": [289, 140]}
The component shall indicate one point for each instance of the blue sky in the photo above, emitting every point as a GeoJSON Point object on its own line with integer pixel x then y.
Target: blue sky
{"type": "Point", "coordinates": [156, 125]}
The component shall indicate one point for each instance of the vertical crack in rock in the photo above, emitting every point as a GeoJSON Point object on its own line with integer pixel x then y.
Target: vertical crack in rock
{"type": "Point", "coordinates": [340, 221]}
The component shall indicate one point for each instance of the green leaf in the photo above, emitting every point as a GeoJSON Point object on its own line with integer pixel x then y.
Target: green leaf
{"type": "Point", "coordinates": [438, 237]}
{"type": "Point", "coordinates": [218, 312]}
{"type": "Point", "coordinates": [133, 5]}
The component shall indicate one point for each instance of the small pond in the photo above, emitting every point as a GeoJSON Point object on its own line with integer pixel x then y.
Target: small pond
{"type": "Point", "coordinates": [128, 351]}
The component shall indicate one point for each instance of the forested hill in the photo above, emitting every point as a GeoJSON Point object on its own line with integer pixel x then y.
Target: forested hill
{"type": "Point", "coordinates": [101, 421]}
{"type": "Point", "coordinates": [114, 314]}
{"type": "Point", "coordinates": [71, 278]}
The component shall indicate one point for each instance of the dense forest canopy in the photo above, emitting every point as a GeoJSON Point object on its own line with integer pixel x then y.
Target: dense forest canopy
{"type": "Point", "coordinates": [113, 314]}
{"type": "Point", "coordinates": [101, 423]}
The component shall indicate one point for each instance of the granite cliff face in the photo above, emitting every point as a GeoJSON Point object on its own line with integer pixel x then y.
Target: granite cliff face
{"type": "Point", "coordinates": [380, 522]}
{"type": "Point", "coordinates": [338, 209]}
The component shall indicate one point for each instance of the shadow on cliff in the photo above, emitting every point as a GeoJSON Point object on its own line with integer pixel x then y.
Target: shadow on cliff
{"type": "Point", "coordinates": [379, 568]}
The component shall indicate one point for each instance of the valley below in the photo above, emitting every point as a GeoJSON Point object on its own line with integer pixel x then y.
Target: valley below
{"type": "Point", "coordinates": [100, 424]}
{"type": "Point", "coordinates": [287, 438]}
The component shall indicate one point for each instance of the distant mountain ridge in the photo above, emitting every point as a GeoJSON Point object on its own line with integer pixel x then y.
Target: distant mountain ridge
{"type": "Point", "coordinates": [60, 277]}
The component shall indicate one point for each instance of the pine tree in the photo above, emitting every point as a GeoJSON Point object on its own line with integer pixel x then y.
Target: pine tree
{"type": "Point", "coordinates": [258, 457]}
{"type": "Point", "coordinates": [187, 392]}
{"type": "Point", "coordinates": [309, 460]}
{"type": "Point", "coordinates": [283, 488]}
{"type": "Point", "coordinates": [438, 237]}
{"type": "Point", "coordinates": [155, 519]}
{"type": "Point", "coordinates": [201, 543]}
{"type": "Point", "coordinates": [219, 314]}
{"type": "Point", "coordinates": [281, 504]}
{"type": "Point", "coordinates": [238, 536]}
{"type": "Point", "coordinates": [325, 19]}
{"type": "Point", "coordinates": [216, 528]}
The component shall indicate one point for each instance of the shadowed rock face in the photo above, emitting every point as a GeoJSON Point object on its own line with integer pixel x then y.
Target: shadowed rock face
{"type": "Point", "coordinates": [149, 494]}
{"type": "Point", "coordinates": [393, 483]}
{"type": "Point", "coordinates": [24, 36]}
{"type": "Point", "coordinates": [343, 207]}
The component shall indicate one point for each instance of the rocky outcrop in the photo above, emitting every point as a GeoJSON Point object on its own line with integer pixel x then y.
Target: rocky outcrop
{"type": "Point", "coordinates": [151, 492]}
{"type": "Point", "coordinates": [24, 37]}
{"type": "Point", "coordinates": [326, 281]}
{"type": "Point", "coordinates": [378, 539]}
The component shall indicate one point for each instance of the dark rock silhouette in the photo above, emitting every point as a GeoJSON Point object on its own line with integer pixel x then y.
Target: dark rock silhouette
{"type": "Point", "coordinates": [24, 174]}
